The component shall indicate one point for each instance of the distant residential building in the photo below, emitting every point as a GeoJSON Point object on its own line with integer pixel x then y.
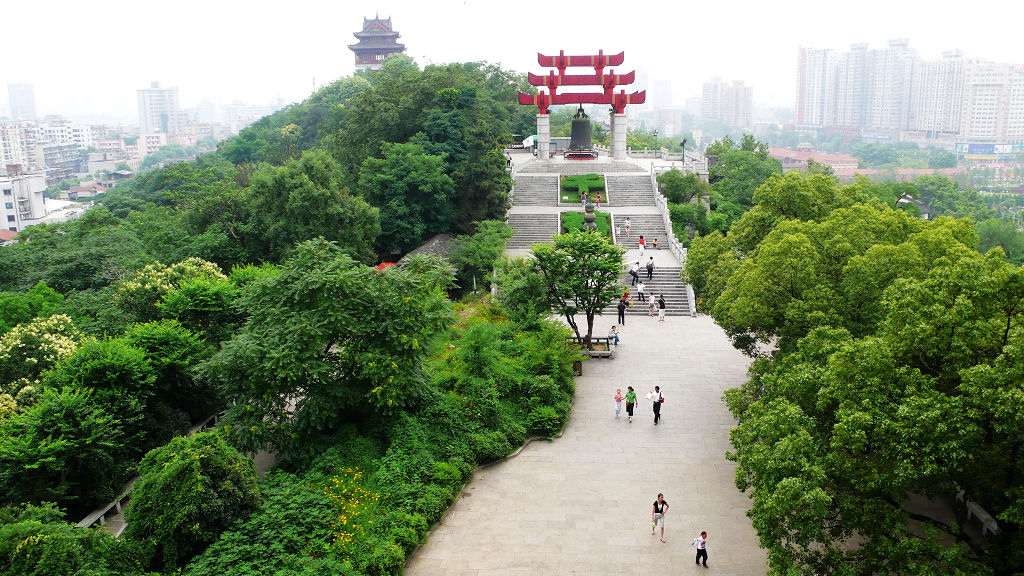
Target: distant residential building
{"type": "Point", "coordinates": [22, 100]}
{"type": "Point", "coordinates": [993, 103]}
{"type": "Point", "coordinates": [63, 131]}
{"type": "Point", "coordinates": [732, 103]}
{"type": "Point", "coordinates": [815, 76]}
{"type": "Point", "coordinates": [937, 97]}
{"type": "Point", "coordinates": [21, 200]}
{"type": "Point", "coordinates": [62, 161]}
{"type": "Point", "coordinates": [377, 41]}
{"type": "Point", "coordinates": [19, 147]}
{"type": "Point", "coordinates": [159, 110]}
{"type": "Point", "coordinates": [891, 93]}
{"type": "Point", "coordinates": [149, 143]}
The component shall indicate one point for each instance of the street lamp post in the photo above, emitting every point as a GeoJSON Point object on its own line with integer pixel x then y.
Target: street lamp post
{"type": "Point", "coordinates": [655, 142]}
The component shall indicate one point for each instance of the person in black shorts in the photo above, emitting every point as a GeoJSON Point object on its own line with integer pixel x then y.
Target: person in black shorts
{"type": "Point", "coordinates": [658, 515]}
{"type": "Point", "coordinates": [630, 401]}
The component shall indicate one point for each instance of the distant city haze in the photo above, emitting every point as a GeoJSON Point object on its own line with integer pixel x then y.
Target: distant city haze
{"type": "Point", "coordinates": [87, 59]}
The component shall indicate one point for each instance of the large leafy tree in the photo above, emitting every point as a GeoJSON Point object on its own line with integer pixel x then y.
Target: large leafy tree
{"type": "Point", "coordinates": [414, 194]}
{"type": "Point", "coordinates": [188, 492]}
{"type": "Point", "coordinates": [736, 171]}
{"type": "Point", "coordinates": [581, 272]}
{"type": "Point", "coordinates": [328, 341]}
{"type": "Point", "coordinates": [885, 375]}
{"type": "Point", "coordinates": [304, 199]}
{"type": "Point", "coordinates": [64, 449]}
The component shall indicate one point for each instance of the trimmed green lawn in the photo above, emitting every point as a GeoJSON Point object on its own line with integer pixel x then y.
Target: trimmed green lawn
{"type": "Point", "coordinates": [574, 221]}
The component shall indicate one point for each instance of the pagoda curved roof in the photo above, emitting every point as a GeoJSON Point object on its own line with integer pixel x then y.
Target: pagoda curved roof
{"type": "Point", "coordinates": [377, 46]}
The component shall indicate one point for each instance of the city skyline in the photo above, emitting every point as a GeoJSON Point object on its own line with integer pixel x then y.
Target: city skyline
{"type": "Point", "coordinates": [226, 52]}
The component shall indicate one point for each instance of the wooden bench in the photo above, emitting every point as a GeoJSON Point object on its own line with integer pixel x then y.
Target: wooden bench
{"type": "Point", "coordinates": [608, 352]}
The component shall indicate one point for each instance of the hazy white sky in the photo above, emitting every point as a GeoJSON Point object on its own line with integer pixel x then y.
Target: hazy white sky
{"type": "Point", "coordinates": [86, 59]}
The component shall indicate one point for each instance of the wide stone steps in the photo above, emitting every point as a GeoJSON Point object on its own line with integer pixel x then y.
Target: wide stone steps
{"type": "Point", "coordinates": [531, 229]}
{"type": "Point", "coordinates": [630, 191]}
{"type": "Point", "coordinates": [540, 190]}
{"type": "Point", "coordinates": [651, 226]}
{"type": "Point", "coordinates": [665, 281]}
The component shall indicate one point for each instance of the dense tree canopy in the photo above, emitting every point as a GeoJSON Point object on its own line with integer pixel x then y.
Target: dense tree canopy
{"type": "Point", "coordinates": [885, 346]}
{"type": "Point", "coordinates": [326, 336]}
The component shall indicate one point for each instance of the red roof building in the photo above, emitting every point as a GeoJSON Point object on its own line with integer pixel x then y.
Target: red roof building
{"type": "Point", "coordinates": [377, 41]}
{"type": "Point", "coordinates": [797, 159]}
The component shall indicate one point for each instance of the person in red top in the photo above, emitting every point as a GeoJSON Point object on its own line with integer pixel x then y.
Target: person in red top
{"type": "Point", "coordinates": [642, 243]}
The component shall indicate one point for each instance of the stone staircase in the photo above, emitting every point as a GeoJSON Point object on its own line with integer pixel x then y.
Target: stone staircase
{"type": "Point", "coordinates": [665, 280]}
{"type": "Point", "coordinates": [651, 226]}
{"type": "Point", "coordinates": [630, 190]}
{"type": "Point", "coordinates": [539, 190]}
{"type": "Point", "coordinates": [531, 229]}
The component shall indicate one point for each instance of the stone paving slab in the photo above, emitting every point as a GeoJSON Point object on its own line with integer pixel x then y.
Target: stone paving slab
{"type": "Point", "coordinates": [581, 504]}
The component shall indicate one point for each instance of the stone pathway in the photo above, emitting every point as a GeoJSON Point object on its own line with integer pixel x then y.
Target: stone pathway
{"type": "Point", "coordinates": [581, 504]}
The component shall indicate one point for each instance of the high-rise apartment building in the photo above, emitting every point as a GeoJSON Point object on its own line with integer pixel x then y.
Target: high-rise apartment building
{"type": "Point", "coordinates": [889, 74]}
{"type": "Point", "coordinates": [891, 91]}
{"type": "Point", "coordinates": [937, 95]}
{"type": "Point", "coordinates": [730, 102]}
{"type": "Point", "coordinates": [159, 110]}
{"type": "Point", "coordinates": [22, 100]}
{"type": "Point", "coordinates": [815, 77]}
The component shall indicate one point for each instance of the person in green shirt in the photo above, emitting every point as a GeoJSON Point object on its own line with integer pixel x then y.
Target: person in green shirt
{"type": "Point", "coordinates": [630, 402]}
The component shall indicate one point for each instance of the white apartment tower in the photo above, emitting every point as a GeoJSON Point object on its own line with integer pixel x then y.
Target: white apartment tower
{"type": "Point", "coordinates": [159, 110]}
{"type": "Point", "coordinates": [993, 102]}
{"type": "Point", "coordinates": [815, 76]}
{"type": "Point", "coordinates": [937, 95]}
{"type": "Point", "coordinates": [22, 99]}
{"type": "Point", "coordinates": [846, 107]}
{"type": "Point", "coordinates": [890, 71]}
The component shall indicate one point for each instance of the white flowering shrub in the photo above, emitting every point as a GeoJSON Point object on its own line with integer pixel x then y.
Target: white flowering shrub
{"type": "Point", "coordinates": [29, 349]}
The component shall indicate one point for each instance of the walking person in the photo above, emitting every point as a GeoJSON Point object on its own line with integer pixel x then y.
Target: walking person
{"type": "Point", "coordinates": [658, 398]}
{"type": "Point", "coordinates": [640, 291]}
{"type": "Point", "coordinates": [627, 226]}
{"type": "Point", "coordinates": [634, 271]}
{"type": "Point", "coordinates": [701, 542]}
{"type": "Point", "coordinates": [641, 243]}
{"type": "Point", "coordinates": [598, 206]}
{"type": "Point", "coordinates": [658, 515]}
{"type": "Point", "coordinates": [652, 305]}
{"type": "Point", "coordinates": [630, 402]}
{"type": "Point", "coordinates": [661, 308]}
{"type": "Point", "coordinates": [618, 401]}
{"type": "Point", "coordinates": [622, 311]}
{"type": "Point", "coordinates": [650, 268]}
{"type": "Point", "coordinates": [583, 200]}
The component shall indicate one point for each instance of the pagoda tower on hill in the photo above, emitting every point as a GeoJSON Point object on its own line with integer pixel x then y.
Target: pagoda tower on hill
{"type": "Point", "coordinates": [377, 41]}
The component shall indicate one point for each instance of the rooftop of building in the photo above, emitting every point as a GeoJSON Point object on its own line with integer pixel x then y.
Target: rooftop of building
{"type": "Point", "coordinates": [805, 155]}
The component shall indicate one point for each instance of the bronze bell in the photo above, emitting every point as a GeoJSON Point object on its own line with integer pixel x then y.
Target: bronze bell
{"type": "Point", "coordinates": [580, 135]}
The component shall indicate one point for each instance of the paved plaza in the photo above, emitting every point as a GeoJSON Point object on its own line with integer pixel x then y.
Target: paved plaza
{"type": "Point", "coordinates": [581, 504]}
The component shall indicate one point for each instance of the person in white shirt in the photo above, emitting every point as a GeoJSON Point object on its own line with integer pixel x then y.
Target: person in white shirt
{"type": "Point", "coordinates": [701, 542]}
{"type": "Point", "coordinates": [658, 398]}
{"type": "Point", "coordinates": [640, 291]}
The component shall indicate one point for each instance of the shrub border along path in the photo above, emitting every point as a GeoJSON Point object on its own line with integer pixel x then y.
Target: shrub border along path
{"type": "Point", "coordinates": [581, 503]}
